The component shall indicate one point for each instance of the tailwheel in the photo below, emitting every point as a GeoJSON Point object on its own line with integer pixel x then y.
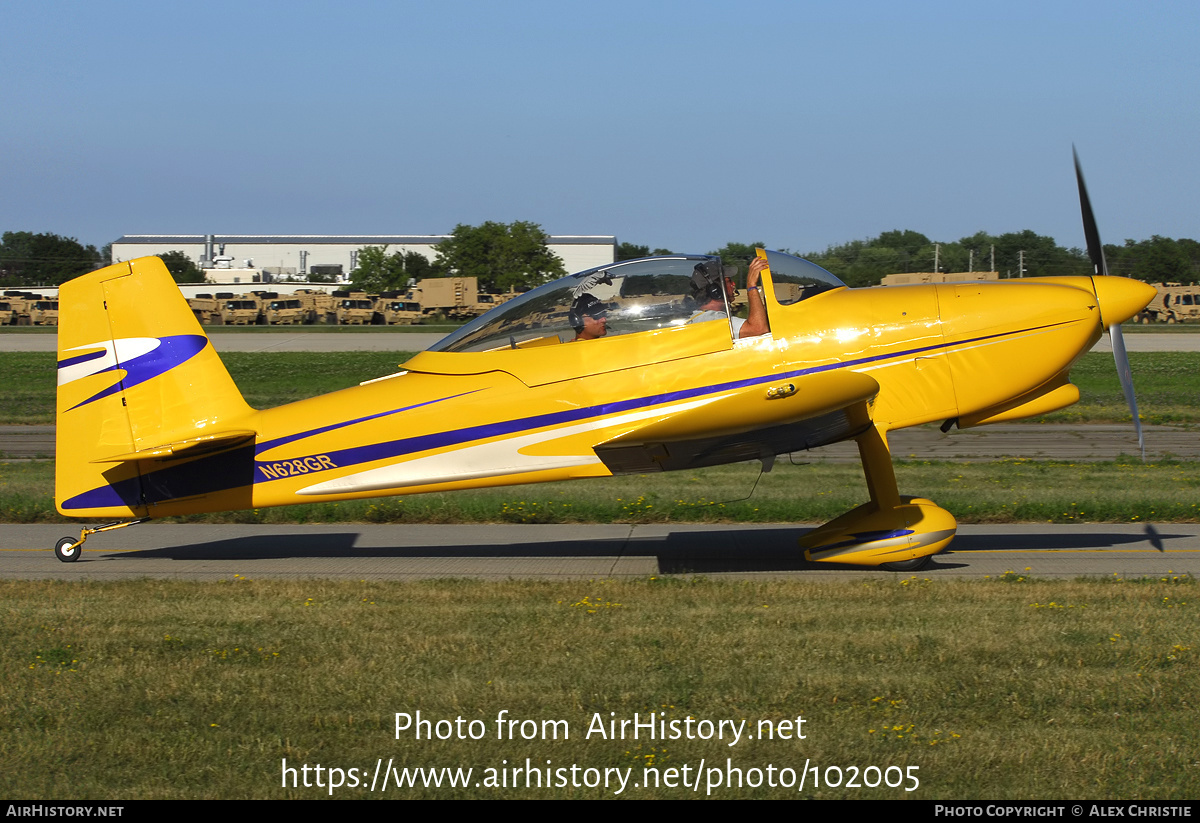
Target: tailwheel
{"type": "Point", "coordinates": [68, 549]}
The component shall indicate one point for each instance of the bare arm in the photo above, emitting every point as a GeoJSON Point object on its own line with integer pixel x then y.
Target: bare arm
{"type": "Point", "coordinates": [757, 323]}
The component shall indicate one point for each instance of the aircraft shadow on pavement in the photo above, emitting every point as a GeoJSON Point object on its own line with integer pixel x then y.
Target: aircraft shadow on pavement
{"type": "Point", "coordinates": [677, 552]}
{"type": "Point", "coordinates": [681, 552]}
{"type": "Point", "coordinates": [1051, 540]}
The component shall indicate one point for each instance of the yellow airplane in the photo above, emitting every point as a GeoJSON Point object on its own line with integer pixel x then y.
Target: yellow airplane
{"type": "Point", "coordinates": [630, 368]}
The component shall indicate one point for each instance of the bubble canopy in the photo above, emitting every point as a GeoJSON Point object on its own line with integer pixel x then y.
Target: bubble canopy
{"type": "Point", "coordinates": [633, 296]}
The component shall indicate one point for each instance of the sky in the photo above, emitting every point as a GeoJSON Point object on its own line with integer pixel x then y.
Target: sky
{"type": "Point", "coordinates": [682, 125]}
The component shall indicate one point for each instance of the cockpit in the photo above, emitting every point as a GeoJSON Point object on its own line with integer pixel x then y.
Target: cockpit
{"type": "Point", "coordinates": [631, 296]}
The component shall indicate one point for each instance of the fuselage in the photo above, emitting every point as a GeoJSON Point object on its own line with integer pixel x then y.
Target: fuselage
{"type": "Point", "coordinates": [464, 420]}
{"type": "Point", "coordinates": [538, 410]}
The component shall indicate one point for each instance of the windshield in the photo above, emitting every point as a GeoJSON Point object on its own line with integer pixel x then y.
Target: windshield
{"type": "Point", "coordinates": [797, 279]}
{"type": "Point", "coordinates": [632, 296]}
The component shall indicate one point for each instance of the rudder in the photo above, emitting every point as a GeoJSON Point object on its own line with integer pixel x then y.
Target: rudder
{"type": "Point", "coordinates": [139, 387]}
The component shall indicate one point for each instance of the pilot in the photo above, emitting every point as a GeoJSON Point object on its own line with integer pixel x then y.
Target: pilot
{"type": "Point", "coordinates": [588, 317]}
{"type": "Point", "coordinates": [712, 291]}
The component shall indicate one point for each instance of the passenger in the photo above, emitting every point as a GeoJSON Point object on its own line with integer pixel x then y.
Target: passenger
{"type": "Point", "coordinates": [588, 317]}
{"type": "Point", "coordinates": [712, 291]}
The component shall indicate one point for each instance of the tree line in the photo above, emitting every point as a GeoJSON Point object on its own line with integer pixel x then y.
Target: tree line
{"type": "Point", "coordinates": [514, 257]}
{"type": "Point", "coordinates": [503, 257]}
{"type": "Point", "coordinates": [28, 259]}
{"type": "Point", "coordinates": [1015, 254]}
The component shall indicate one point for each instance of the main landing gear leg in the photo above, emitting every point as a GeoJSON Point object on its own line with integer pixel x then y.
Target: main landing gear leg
{"type": "Point", "coordinates": [68, 549]}
{"type": "Point", "coordinates": [899, 533]}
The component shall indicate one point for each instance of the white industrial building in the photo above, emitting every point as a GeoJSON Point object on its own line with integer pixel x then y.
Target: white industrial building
{"type": "Point", "coordinates": [249, 257]}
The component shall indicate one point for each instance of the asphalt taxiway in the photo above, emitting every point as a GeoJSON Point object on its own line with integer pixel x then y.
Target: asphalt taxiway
{"type": "Point", "coordinates": [399, 552]}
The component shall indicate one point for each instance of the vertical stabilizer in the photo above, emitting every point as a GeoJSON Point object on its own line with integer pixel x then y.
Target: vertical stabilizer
{"type": "Point", "coordinates": [139, 387]}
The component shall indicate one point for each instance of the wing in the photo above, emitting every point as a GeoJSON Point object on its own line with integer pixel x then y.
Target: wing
{"type": "Point", "coordinates": [752, 423]}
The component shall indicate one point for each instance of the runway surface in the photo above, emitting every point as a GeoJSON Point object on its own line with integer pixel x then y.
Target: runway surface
{"type": "Point", "coordinates": [419, 341]}
{"type": "Point", "coordinates": [739, 552]}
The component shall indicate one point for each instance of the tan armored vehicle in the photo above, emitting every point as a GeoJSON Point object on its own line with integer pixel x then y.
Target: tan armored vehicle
{"type": "Point", "coordinates": [16, 308]}
{"type": "Point", "coordinates": [455, 297]}
{"type": "Point", "coordinates": [393, 310]}
{"type": "Point", "coordinates": [21, 304]}
{"type": "Point", "coordinates": [487, 302]}
{"type": "Point", "coordinates": [1174, 303]}
{"type": "Point", "coordinates": [206, 308]}
{"type": "Point", "coordinates": [318, 306]}
{"type": "Point", "coordinates": [44, 313]}
{"type": "Point", "coordinates": [284, 311]}
{"type": "Point", "coordinates": [354, 308]}
{"type": "Point", "coordinates": [242, 310]}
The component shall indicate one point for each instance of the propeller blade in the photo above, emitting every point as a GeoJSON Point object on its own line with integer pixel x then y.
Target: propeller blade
{"type": "Point", "coordinates": [1126, 378]}
{"type": "Point", "coordinates": [1095, 249]}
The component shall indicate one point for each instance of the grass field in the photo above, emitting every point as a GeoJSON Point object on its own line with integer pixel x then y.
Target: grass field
{"type": "Point", "coordinates": [1001, 690]}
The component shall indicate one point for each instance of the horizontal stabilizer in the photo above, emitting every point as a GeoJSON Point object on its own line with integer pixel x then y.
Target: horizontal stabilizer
{"type": "Point", "coordinates": [192, 447]}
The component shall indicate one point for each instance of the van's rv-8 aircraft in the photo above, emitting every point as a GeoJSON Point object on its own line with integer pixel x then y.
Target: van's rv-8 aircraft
{"type": "Point", "coordinates": [151, 425]}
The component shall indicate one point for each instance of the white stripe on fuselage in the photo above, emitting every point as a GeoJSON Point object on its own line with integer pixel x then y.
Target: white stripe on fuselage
{"type": "Point", "coordinates": [488, 459]}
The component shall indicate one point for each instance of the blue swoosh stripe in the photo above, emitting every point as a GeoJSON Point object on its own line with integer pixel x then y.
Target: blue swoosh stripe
{"type": "Point", "coordinates": [171, 352]}
{"type": "Point", "coordinates": [267, 445]}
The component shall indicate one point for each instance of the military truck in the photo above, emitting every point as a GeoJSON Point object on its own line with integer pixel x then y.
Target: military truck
{"type": "Point", "coordinates": [284, 311]}
{"type": "Point", "coordinates": [8, 315]}
{"type": "Point", "coordinates": [354, 308]}
{"type": "Point", "coordinates": [243, 310]}
{"type": "Point", "coordinates": [19, 303]}
{"type": "Point", "coordinates": [1174, 303]}
{"type": "Point", "coordinates": [486, 302]}
{"type": "Point", "coordinates": [206, 308]}
{"type": "Point", "coordinates": [29, 309]}
{"type": "Point", "coordinates": [455, 297]}
{"type": "Point", "coordinates": [391, 309]}
{"type": "Point", "coordinates": [318, 306]}
{"type": "Point", "coordinates": [44, 312]}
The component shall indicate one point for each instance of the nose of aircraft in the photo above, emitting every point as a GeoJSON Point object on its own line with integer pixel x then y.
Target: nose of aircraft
{"type": "Point", "coordinates": [1121, 298]}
